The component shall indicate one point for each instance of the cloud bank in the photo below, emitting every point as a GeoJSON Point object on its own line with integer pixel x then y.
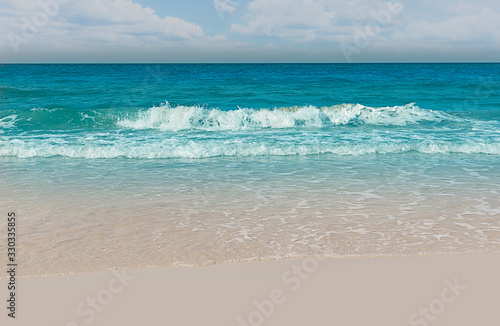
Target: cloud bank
{"type": "Point", "coordinates": [251, 30]}
{"type": "Point", "coordinates": [68, 25]}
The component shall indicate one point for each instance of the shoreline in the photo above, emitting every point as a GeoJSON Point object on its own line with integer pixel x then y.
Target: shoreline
{"type": "Point", "coordinates": [377, 291]}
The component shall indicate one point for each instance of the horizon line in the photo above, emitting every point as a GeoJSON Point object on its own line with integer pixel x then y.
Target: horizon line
{"type": "Point", "coordinates": [346, 63]}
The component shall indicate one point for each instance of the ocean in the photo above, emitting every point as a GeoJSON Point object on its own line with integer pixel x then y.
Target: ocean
{"type": "Point", "coordinates": [129, 165]}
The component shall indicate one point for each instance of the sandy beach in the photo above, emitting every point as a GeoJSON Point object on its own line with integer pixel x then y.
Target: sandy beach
{"type": "Point", "coordinates": [432, 290]}
{"type": "Point", "coordinates": [250, 163]}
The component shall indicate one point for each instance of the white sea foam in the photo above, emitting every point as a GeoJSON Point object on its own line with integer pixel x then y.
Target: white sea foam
{"type": "Point", "coordinates": [156, 149]}
{"type": "Point", "coordinates": [8, 121]}
{"type": "Point", "coordinates": [168, 118]}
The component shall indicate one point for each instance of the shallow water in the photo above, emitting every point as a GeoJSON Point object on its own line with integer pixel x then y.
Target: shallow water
{"type": "Point", "coordinates": [79, 217]}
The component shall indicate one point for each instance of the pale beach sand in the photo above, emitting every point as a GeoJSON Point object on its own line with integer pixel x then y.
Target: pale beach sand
{"type": "Point", "coordinates": [451, 290]}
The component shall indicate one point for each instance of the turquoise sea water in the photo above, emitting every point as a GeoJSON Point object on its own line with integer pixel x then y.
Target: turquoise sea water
{"type": "Point", "coordinates": [196, 111]}
{"type": "Point", "coordinates": [213, 163]}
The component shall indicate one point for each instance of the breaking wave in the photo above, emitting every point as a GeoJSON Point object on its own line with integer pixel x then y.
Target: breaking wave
{"type": "Point", "coordinates": [198, 132]}
{"type": "Point", "coordinates": [167, 118]}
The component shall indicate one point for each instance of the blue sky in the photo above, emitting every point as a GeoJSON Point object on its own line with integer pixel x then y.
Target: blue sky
{"type": "Point", "coordinates": [249, 30]}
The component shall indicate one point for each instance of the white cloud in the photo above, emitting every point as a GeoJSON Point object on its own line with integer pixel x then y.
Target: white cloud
{"type": "Point", "coordinates": [225, 6]}
{"type": "Point", "coordinates": [297, 19]}
{"type": "Point", "coordinates": [339, 20]}
{"type": "Point", "coordinates": [218, 38]}
{"type": "Point", "coordinates": [483, 27]}
{"type": "Point", "coordinates": [116, 22]}
{"type": "Point", "coordinates": [129, 18]}
{"type": "Point", "coordinates": [306, 20]}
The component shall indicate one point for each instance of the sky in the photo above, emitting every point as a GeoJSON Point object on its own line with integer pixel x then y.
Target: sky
{"type": "Point", "coordinates": [249, 31]}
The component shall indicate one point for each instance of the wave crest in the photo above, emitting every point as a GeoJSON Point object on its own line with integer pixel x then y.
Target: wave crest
{"type": "Point", "coordinates": [168, 118]}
